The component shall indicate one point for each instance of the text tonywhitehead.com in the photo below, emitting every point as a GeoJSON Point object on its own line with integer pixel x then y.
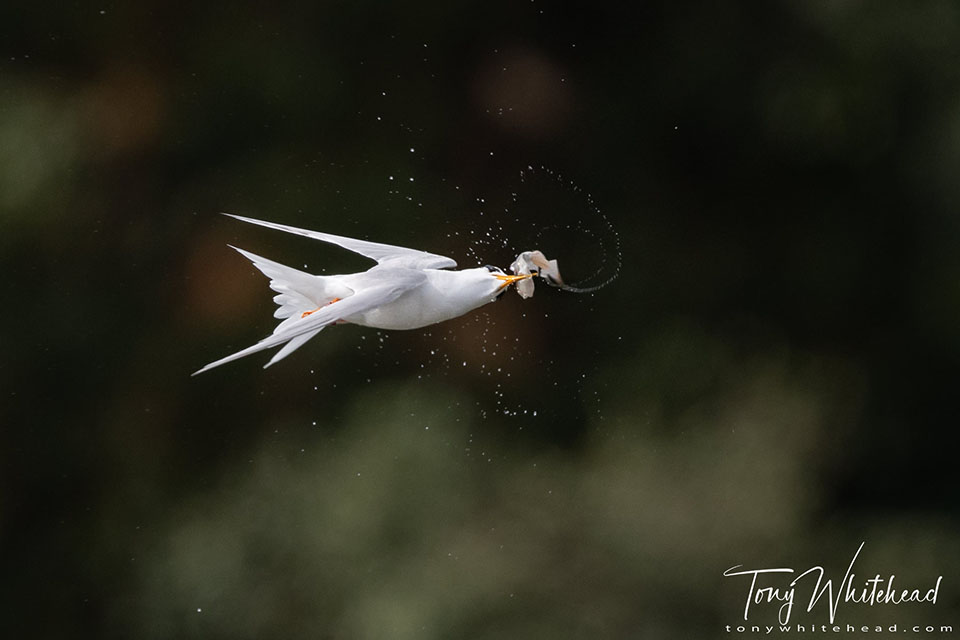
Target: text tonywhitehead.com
{"type": "Point", "coordinates": [826, 628]}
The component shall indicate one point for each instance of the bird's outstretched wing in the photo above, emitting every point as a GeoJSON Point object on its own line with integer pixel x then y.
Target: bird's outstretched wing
{"type": "Point", "coordinates": [296, 334]}
{"type": "Point", "coordinates": [382, 253]}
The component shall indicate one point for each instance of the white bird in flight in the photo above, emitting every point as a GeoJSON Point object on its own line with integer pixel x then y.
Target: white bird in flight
{"type": "Point", "coordinates": [406, 289]}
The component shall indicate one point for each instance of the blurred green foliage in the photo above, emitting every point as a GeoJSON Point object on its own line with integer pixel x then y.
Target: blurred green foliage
{"type": "Point", "coordinates": [770, 381]}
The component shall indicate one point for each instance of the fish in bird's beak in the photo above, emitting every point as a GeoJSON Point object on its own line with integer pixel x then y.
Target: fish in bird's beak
{"type": "Point", "coordinates": [534, 263]}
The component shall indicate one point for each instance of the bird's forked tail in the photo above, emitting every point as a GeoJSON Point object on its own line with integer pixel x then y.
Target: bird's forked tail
{"type": "Point", "coordinates": [298, 295]}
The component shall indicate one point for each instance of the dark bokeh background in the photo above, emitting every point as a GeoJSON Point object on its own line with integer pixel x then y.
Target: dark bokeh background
{"type": "Point", "coordinates": [771, 380]}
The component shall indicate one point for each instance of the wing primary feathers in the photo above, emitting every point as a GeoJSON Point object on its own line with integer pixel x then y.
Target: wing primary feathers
{"type": "Point", "coordinates": [382, 253]}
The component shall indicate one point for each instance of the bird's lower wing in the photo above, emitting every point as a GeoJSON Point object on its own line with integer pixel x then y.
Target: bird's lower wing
{"type": "Point", "coordinates": [308, 326]}
{"type": "Point", "coordinates": [382, 253]}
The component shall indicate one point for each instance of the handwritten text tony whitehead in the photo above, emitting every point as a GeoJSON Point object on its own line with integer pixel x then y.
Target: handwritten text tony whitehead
{"type": "Point", "coordinates": [876, 590]}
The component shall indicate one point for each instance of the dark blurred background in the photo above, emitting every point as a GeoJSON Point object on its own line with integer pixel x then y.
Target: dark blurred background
{"type": "Point", "coordinates": [770, 380]}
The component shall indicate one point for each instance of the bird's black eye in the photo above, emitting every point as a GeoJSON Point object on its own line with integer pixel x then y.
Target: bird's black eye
{"type": "Point", "coordinates": [492, 269]}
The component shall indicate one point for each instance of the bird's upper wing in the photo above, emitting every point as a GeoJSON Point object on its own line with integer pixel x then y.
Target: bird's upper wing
{"type": "Point", "coordinates": [368, 298]}
{"type": "Point", "coordinates": [382, 253]}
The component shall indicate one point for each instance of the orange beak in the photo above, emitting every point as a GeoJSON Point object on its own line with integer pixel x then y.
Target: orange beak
{"type": "Point", "coordinates": [508, 280]}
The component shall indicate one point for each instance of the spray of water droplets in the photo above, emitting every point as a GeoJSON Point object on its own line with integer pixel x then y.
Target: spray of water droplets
{"type": "Point", "coordinates": [548, 212]}
{"type": "Point", "coordinates": [551, 213]}
{"type": "Point", "coordinates": [543, 211]}
{"type": "Point", "coordinates": [605, 239]}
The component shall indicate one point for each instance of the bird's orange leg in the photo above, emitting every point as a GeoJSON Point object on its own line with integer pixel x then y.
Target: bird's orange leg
{"type": "Point", "coordinates": [306, 313]}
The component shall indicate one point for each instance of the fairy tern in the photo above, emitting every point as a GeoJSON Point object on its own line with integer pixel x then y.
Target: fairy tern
{"type": "Point", "coordinates": [406, 289]}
